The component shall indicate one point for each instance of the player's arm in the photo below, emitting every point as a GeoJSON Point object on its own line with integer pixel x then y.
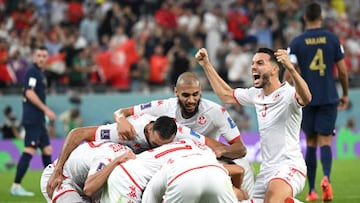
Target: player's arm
{"type": "Point", "coordinates": [344, 80]}
{"type": "Point", "coordinates": [220, 87]}
{"type": "Point", "coordinates": [34, 99]}
{"type": "Point", "coordinates": [125, 129]}
{"type": "Point", "coordinates": [236, 173]}
{"type": "Point", "coordinates": [303, 94]}
{"type": "Point", "coordinates": [233, 151]}
{"type": "Point", "coordinates": [74, 138]}
{"type": "Point", "coordinates": [95, 181]}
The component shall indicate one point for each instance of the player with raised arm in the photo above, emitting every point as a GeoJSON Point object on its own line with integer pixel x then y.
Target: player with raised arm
{"type": "Point", "coordinates": [86, 160]}
{"type": "Point", "coordinates": [316, 52]}
{"type": "Point", "coordinates": [278, 107]}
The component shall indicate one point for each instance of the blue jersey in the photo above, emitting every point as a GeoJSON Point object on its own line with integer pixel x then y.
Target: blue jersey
{"type": "Point", "coordinates": [315, 52]}
{"type": "Point", "coordinates": [34, 79]}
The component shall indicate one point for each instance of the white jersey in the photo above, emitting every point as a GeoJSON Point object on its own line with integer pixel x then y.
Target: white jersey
{"type": "Point", "coordinates": [139, 143]}
{"type": "Point", "coordinates": [90, 157]}
{"type": "Point", "coordinates": [279, 116]}
{"type": "Point", "coordinates": [128, 180]}
{"type": "Point", "coordinates": [190, 178]}
{"type": "Point", "coordinates": [211, 120]}
{"type": "Point", "coordinates": [85, 160]}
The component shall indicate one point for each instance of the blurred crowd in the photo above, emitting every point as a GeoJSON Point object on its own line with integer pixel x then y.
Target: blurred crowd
{"type": "Point", "coordinates": [143, 45]}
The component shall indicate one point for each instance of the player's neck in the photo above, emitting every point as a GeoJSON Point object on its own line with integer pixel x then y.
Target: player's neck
{"type": "Point", "coordinates": [313, 25]}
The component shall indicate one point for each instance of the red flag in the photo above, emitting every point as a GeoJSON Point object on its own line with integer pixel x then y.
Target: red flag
{"type": "Point", "coordinates": [7, 75]}
{"type": "Point", "coordinates": [115, 64]}
{"type": "Point", "coordinates": [56, 63]}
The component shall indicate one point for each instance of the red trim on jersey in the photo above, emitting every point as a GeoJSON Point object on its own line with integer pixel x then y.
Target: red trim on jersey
{"type": "Point", "coordinates": [94, 136]}
{"type": "Point", "coordinates": [235, 139]}
{"type": "Point", "coordinates": [93, 145]}
{"type": "Point", "coordinates": [199, 167]}
{"type": "Point", "coordinates": [132, 110]}
{"type": "Point", "coordinates": [172, 150]}
{"type": "Point", "coordinates": [131, 178]}
{"type": "Point", "coordinates": [233, 94]}
{"type": "Point", "coordinates": [57, 196]}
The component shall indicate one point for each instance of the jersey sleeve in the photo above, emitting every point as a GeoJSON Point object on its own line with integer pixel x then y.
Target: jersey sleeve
{"type": "Point", "coordinates": [107, 133]}
{"type": "Point", "coordinates": [184, 132]}
{"type": "Point", "coordinates": [154, 108]}
{"type": "Point", "coordinates": [97, 165]}
{"type": "Point", "coordinates": [30, 79]}
{"type": "Point", "coordinates": [225, 124]}
{"type": "Point", "coordinates": [244, 96]}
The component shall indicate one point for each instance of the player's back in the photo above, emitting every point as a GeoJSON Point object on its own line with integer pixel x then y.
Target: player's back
{"type": "Point", "coordinates": [87, 155]}
{"type": "Point", "coordinates": [316, 51]}
{"type": "Point", "coordinates": [151, 160]}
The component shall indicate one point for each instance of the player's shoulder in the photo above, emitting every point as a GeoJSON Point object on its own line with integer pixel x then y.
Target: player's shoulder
{"type": "Point", "coordinates": [207, 105]}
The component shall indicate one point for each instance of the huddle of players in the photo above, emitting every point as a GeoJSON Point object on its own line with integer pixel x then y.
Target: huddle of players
{"type": "Point", "coordinates": [173, 162]}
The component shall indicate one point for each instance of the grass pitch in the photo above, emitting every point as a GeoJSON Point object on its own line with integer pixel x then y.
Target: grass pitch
{"type": "Point", "coordinates": [345, 182]}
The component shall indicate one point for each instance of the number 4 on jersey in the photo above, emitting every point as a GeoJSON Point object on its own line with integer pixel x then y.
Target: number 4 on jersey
{"type": "Point", "coordinates": [317, 62]}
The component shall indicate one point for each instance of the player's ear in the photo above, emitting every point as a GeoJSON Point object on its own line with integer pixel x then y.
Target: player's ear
{"type": "Point", "coordinates": [176, 92]}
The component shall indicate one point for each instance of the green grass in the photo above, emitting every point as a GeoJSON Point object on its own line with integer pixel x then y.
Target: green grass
{"type": "Point", "coordinates": [345, 182]}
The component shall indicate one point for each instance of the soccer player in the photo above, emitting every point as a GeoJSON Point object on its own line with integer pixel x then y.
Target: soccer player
{"type": "Point", "coordinates": [33, 119]}
{"type": "Point", "coordinates": [189, 109]}
{"type": "Point", "coordinates": [278, 106]}
{"type": "Point", "coordinates": [316, 52]}
{"type": "Point", "coordinates": [193, 178]}
{"type": "Point", "coordinates": [86, 160]}
{"type": "Point", "coordinates": [127, 181]}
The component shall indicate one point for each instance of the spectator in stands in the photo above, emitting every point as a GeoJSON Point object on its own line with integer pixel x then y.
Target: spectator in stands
{"type": "Point", "coordinates": [71, 119]}
{"type": "Point", "coordinates": [11, 127]}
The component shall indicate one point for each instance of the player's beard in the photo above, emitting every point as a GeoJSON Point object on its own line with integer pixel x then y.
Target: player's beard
{"type": "Point", "coordinates": [187, 114]}
{"type": "Point", "coordinates": [265, 80]}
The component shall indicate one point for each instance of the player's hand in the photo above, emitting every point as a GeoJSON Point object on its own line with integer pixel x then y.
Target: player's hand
{"type": "Point", "coordinates": [54, 181]}
{"type": "Point", "coordinates": [50, 114]}
{"type": "Point", "coordinates": [344, 103]}
{"type": "Point", "coordinates": [125, 130]}
{"type": "Point", "coordinates": [219, 151]}
{"type": "Point", "coordinates": [202, 57]}
{"type": "Point", "coordinates": [282, 57]}
{"type": "Point", "coordinates": [127, 156]}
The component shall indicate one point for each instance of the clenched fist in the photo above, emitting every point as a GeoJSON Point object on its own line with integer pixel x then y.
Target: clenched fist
{"type": "Point", "coordinates": [202, 57]}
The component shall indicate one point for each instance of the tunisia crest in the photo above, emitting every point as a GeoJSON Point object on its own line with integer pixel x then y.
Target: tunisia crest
{"type": "Point", "coordinates": [202, 120]}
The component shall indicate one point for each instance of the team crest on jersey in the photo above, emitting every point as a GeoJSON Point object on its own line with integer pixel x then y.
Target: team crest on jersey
{"type": "Point", "coordinates": [231, 122]}
{"type": "Point", "coordinates": [202, 120]}
{"type": "Point", "coordinates": [105, 134]}
{"type": "Point", "coordinates": [145, 106]}
{"type": "Point", "coordinates": [195, 134]}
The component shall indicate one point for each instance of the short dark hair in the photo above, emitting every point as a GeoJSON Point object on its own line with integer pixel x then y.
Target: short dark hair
{"type": "Point", "coordinates": [40, 47]}
{"type": "Point", "coordinates": [271, 53]}
{"type": "Point", "coordinates": [166, 126]}
{"type": "Point", "coordinates": [313, 11]}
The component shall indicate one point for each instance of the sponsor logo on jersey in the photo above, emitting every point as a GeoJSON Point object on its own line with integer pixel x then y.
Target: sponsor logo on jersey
{"type": "Point", "coordinates": [231, 122]}
{"type": "Point", "coordinates": [202, 120]}
{"type": "Point", "coordinates": [145, 106]}
{"type": "Point", "coordinates": [195, 134]}
{"type": "Point", "coordinates": [100, 166]}
{"type": "Point", "coordinates": [105, 134]}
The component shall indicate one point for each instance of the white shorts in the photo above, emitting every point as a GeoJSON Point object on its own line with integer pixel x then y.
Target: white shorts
{"type": "Point", "coordinates": [66, 192]}
{"type": "Point", "coordinates": [293, 177]}
{"type": "Point", "coordinates": [209, 184]}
